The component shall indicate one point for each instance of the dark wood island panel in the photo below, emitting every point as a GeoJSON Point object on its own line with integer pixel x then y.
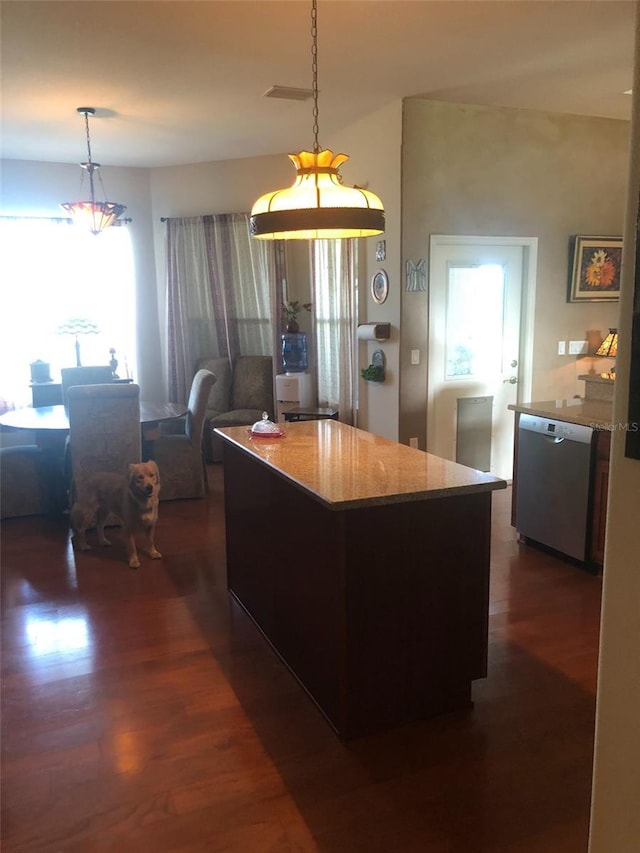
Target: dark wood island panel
{"type": "Point", "coordinates": [378, 609]}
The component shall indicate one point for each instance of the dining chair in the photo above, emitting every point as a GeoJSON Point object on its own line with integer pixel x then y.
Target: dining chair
{"type": "Point", "coordinates": [183, 472]}
{"type": "Point", "coordinates": [104, 430]}
{"type": "Point", "coordinates": [97, 374]}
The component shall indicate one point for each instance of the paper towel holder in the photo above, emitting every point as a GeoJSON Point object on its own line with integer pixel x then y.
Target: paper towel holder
{"type": "Point", "coordinates": [374, 331]}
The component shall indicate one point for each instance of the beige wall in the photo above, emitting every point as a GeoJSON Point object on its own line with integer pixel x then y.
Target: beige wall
{"type": "Point", "coordinates": [506, 172]}
{"type": "Point", "coordinates": [615, 820]}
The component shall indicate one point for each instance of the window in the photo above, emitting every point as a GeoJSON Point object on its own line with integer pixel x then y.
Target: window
{"type": "Point", "coordinates": [474, 320]}
{"type": "Point", "coordinates": [334, 263]}
{"type": "Point", "coordinates": [51, 272]}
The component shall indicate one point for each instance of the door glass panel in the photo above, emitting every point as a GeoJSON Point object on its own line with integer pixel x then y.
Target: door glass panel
{"type": "Point", "coordinates": [474, 321]}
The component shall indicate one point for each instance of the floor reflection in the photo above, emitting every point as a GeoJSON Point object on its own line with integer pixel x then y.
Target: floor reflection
{"type": "Point", "coordinates": [46, 634]}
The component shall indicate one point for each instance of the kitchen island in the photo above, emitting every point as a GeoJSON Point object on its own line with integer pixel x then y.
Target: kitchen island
{"type": "Point", "coordinates": [365, 564]}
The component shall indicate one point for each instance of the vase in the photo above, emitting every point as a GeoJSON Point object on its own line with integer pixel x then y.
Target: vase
{"type": "Point", "coordinates": [293, 327]}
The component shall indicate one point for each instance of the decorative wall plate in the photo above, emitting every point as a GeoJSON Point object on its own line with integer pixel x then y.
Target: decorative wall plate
{"type": "Point", "coordinates": [377, 359]}
{"type": "Point", "coordinates": [380, 287]}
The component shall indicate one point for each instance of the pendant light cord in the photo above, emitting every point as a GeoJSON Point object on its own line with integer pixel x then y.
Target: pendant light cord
{"type": "Point", "coordinates": [86, 124]}
{"type": "Point", "coordinates": [314, 72]}
{"type": "Point", "coordinates": [90, 167]}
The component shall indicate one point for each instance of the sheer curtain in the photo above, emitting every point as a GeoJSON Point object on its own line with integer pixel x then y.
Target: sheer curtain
{"type": "Point", "coordinates": [221, 294]}
{"type": "Point", "coordinates": [53, 271]}
{"type": "Point", "coordinates": [334, 276]}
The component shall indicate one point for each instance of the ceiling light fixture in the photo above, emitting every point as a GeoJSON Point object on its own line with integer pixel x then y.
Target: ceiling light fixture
{"type": "Point", "coordinates": [317, 206]}
{"type": "Point", "coordinates": [94, 215]}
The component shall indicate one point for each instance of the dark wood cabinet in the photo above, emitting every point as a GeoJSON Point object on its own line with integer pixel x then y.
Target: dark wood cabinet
{"type": "Point", "coordinates": [600, 488]}
{"type": "Point", "coordinates": [380, 609]}
{"type": "Point", "coordinates": [46, 394]}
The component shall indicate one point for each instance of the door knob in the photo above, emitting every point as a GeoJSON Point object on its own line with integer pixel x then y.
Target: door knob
{"type": "Point", "coordinates": [512, 380]}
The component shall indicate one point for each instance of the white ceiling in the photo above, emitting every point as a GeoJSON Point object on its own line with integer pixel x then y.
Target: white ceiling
{"type": "Point", "coordinates": [177, 81]}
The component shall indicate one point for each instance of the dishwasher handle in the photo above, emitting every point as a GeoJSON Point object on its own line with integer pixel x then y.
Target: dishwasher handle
{"type": "Point", "coordinates": [555, 431]}
{"type": "Point", "coordinates": [554, 439]}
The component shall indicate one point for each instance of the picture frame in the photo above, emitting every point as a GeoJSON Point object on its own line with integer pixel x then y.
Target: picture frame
{"type": "Point", "coordinates": [379, 287]}
{"type": "Point", "coordinates": [595, 274]}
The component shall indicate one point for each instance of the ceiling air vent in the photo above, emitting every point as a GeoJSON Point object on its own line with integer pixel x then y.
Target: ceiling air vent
{"type": "Point", "coordinates": [288, 93]}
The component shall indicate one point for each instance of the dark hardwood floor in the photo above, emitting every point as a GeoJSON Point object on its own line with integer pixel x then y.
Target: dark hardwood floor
{"type": "Point", "coordinates": [142, 711]}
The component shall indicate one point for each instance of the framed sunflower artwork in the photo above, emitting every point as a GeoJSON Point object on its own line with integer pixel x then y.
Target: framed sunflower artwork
{"type": "Point", "coordinates": [596, 269]}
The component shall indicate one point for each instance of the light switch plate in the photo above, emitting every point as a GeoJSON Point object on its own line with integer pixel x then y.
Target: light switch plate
{"type": "Point", "coordinates": [415, 356]}
{"type": "Point", "coordinates": [578, 347]}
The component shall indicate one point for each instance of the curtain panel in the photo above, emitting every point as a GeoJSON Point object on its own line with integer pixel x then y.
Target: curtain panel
{"type": "Point", "coordinates": [334, 276]}
{"type": "Point", "coordinates": [221, 294]}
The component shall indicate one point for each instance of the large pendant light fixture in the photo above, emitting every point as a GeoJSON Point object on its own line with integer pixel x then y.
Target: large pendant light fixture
{"type": "Point", "coordinates": [317, 206]}
{"type": "Point", "coordinates": [93, 215]}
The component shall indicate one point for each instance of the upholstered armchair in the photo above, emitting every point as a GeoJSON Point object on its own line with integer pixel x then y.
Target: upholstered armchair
{"type": "Point", "coordinates": [240, 396]}
{"type": "Point", "coordinates": [180, 457]}
{"type": "Point", "coordinates": [104, 430]}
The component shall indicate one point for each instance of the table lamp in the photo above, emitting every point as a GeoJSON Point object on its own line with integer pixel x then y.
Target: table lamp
{"type": "Point", "coordinates": [609, 349]}
{"type": "Point", "coordinates": [78, 326]}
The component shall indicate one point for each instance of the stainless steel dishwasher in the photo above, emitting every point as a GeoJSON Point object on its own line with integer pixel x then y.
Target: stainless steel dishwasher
{"type": "Point", "coordinates": [553, 483]}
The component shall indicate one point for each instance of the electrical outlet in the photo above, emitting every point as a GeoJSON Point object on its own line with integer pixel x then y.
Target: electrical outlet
{"type": "Point", "coordinates": [562, 347]}
{"type": "Point", "coordinates": [415, 356]}
{"type": "Point", "coordinates": [578, 347]}
{"type": "Point", "coordinates": [413, 442]}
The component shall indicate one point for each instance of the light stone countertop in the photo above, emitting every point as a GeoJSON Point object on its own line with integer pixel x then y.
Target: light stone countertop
{"type": "Point", "coordinates": [346, 468]}
{"type": "Point", "coordinates": [594, 413]}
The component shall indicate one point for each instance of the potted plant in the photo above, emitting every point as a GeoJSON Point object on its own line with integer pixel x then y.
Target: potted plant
{"type": "Point", "coordinates": [373, 373]}
{"type": "Point", "coordinates": [291, 311]}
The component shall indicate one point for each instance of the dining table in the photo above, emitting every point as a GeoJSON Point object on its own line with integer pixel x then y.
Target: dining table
{"type": "Point", "coordinates": [50, 425]}
{"type": "Point", "coordinates": [56, 418]}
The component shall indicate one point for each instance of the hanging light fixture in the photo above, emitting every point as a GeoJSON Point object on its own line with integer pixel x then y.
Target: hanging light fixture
{"type": "Point", "coordinates": [94, 215]}
{"type": "Point", "coordinates": [317, 206]}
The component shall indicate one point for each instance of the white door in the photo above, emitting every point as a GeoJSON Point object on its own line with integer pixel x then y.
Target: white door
{"type": "Point", "coordinates": [476, 287]}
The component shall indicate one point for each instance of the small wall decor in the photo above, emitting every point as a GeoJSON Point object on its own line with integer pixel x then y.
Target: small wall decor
{"type": "Point", "coordinates": [381, 250]}
{"type": "Point", "coordinates": [375, 372]}
{"type": "Point", "coordinates": [416, 275]}
{"type": "Point", "coordinates": [380, 287]}
{"type": "Point", "coordinates": [595, 274]}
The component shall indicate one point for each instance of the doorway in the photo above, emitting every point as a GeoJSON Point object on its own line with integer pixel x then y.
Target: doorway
{"type": "Point", "coordinates": [481, 299]}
